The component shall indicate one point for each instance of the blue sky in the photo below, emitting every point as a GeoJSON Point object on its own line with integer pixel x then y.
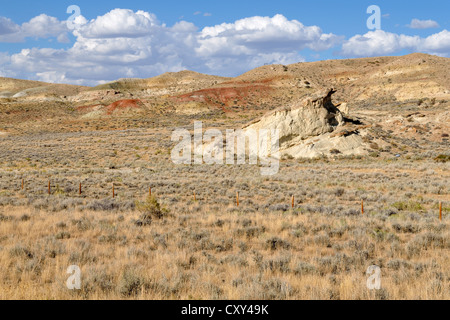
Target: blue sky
{"type": "Point", "coordinates": [170, 35]}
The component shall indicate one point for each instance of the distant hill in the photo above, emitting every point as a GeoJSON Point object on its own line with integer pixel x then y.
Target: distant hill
{"type": "Point", "coordinates": [170, 82]}
{"type": "Point", "coordinates": [14, 88]}
{"type": "Point", "coordinates": [380, 81]}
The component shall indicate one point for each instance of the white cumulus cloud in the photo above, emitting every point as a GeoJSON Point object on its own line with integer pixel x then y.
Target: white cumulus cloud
{"type": "Point", "coordinates": [124, 43]}
{"type": "Point", "coordinates": [119, 23]}
{"type": "Point", "coordinates": [7, 26]}
{"type": "Point", "coordinates": [42, 26]}
{"type": "Point", "coordinates": [379, 42]}
{"type": "Point", "coordinates": [423, 24]}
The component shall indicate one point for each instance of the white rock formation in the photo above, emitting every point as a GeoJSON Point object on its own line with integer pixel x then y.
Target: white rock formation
{"type": "Point", "coordinates": [311, 129]}
{"type": "Point", "coordinates": [344, 109]}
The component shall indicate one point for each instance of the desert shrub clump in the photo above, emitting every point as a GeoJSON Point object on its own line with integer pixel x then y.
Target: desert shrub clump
{"type": "Point", "coordinates": [150, 210]}
{"type": "Point", "coordinates": [442, 158]}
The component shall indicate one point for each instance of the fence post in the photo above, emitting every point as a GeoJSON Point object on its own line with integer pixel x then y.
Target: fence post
{"type": "Point", "coordinates": [195, 197]}
{"type": "Point", "coordinates": [150, 192]}
{"type": "Point", "coordinates": [49, 188]}
{"type": "Point", "coordinates": [440, 211]}
{"type": "Point", "coordinates": [79, 189]}
{"type": "Point", "coordinates": [22, 184]}
{"type": "Point", "coordinates": [293, 201]}
{"type": "Point", "coordinates": [237, 198]}
{"type": "Point", "coordinates": [114, 195]}
{"type": "Point", "coordinates": [362, 207]}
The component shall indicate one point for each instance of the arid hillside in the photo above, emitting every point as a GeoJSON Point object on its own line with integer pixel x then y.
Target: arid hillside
{"type": "Point", "coordinates": [359, 82]}
{"type": "Point", "coordinates": [394, 105]}
{"type": "Point", "coordinates": [36, 91]}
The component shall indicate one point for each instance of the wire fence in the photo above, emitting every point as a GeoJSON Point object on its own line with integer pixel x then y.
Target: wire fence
{"type": "Point", "coordinates": [150, 194]}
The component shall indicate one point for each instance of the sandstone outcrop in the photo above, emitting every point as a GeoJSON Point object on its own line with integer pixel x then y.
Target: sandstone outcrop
{"type": "Point", "coordinates": [314, 127]}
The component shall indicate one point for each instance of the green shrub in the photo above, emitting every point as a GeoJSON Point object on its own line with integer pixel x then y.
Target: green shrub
{"type": "Point", "coordinates": [409, 206]}
{"type": "Point", "coordinates": [131, 283]}
{"type": "Point", "coordinates": [150, 209]}
{"type": "Point", "coordinates": [442, 158]}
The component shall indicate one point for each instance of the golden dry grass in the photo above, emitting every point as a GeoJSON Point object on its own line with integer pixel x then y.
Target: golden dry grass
{"type": "Point", "coordinates": [220, 255]}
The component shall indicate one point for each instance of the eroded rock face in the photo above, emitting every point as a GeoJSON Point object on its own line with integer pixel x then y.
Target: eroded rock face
{"type": "Point", "coordinates": [344, 109]}
{"type": "Point", "coordinates": [308, 129]}
{"type": "Point", "coordinates": [309, 118]}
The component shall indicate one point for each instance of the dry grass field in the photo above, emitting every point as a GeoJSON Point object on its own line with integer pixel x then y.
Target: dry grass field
{"type": "Point", "coordinates": [171, 246]}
